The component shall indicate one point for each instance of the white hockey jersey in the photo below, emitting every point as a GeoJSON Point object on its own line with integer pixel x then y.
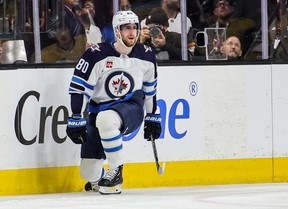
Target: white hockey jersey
{"type": "Point", "coordinates": [104, 76]}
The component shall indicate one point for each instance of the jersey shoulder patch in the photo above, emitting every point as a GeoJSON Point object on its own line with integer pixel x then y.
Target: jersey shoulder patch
{"type": "Point", "coordinates": [144, 52]}
{"type": "Point", "coordinates": [97, 52]}
{"type": "Point", "coordinates": [95, 47]}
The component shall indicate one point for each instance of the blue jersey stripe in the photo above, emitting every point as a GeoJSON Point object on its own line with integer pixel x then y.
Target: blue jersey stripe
{"type": "Point", "coordinates": [150, 84]}
{"type": "Point", "coordinates": [82, 82]}
{"type": "Point", "coordinates": [150, 93]}
{"type": "Point", "coordinates": [114, 149]}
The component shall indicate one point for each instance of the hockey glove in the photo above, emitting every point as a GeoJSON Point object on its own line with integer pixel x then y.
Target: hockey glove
{"type": "Point", "coordinates": [152, 126]}
{"type": "Point", "coordinates": [76, 129]}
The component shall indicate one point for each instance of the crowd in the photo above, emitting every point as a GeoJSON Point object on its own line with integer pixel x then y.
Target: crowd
{"type": "Point", "coordinates": [90, 22]}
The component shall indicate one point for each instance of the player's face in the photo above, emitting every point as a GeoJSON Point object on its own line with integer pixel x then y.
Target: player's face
{"type": "Point", "coordinates": [129, 34]}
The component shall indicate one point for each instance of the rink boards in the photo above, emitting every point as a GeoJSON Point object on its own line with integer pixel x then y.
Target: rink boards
{"type": "Point", "coordinates": [222, 125]}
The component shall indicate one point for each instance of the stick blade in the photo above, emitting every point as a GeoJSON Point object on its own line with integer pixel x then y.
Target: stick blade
{"type": "Point", "coordinates": [161, 169]}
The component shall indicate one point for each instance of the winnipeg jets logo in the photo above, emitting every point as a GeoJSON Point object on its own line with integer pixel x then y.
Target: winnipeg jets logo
{"type": "Point", "coordinates": [119, 84]}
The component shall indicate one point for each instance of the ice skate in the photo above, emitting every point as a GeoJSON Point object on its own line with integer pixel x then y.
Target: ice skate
{"type": "Point", "coordinates": [111, 183]}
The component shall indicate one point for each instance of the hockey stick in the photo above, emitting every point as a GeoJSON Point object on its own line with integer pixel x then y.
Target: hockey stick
{"type": "Point", "coordinates": [160, 169]}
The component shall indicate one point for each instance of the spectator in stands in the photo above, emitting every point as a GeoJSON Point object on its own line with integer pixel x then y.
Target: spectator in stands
{"type": "Point", "coordinates": [240, 27]}
{"type": "Point", "coordinates": [68, 48]}
{"type": "Point", "coordinates": [124, 5]}
{"type": "Point", "coordinates": [86, 15]}
{"type": "Point", "coordinates": [232, 48]}
{"type": "Point", "coordinates": [71, 18]}
{"type": "Point", "coordinates": [156, 34]}
{"type": "Point", "coordinates": [172, 7]}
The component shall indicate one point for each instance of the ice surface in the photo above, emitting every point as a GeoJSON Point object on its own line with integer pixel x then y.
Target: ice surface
{"type": "Point", "coordinates": [244, 196]}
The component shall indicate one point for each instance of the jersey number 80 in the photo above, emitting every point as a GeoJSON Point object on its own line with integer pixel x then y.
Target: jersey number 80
{"type": "Point", "coordinates": [82, 65]}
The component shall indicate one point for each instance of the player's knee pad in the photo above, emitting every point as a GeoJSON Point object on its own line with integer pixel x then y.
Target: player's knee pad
{"type": "Point", "coordinates": [91, 169]}
{"type": "Point", "coordinates": [108, 121]}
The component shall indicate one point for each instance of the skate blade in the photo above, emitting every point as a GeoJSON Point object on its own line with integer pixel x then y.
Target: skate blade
{"type": "Point", "coordinates": [111, 190]}
{"type": "Point", "coordinates": [95, 188]}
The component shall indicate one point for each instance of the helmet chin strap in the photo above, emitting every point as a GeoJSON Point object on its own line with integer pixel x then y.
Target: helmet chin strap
{"type": "Point", "coordinates": [121, 47]}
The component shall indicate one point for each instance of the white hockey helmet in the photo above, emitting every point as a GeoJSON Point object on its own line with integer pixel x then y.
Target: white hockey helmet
{"type": "Point", "coordinates": [124, 17]}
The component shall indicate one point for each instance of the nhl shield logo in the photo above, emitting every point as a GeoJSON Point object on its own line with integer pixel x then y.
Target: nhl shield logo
{"type": "Point", "coordinates": [119, 84]}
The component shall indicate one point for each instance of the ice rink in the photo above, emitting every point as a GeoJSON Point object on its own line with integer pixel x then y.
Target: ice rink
{"type": "Point", "coordinates": [244, 196]}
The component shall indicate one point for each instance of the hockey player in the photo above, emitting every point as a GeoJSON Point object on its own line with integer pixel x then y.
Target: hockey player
{"type": "Point", "coordinates": [119, 80]}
